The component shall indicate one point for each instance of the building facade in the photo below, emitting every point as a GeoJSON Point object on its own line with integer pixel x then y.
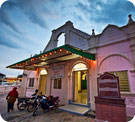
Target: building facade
{"type": "Point", "coordinates": [71, 71]}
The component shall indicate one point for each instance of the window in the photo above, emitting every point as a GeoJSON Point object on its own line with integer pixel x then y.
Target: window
{"type": "Point", "coordinates": [57, 83]}
{"type": "Point", "coordinates": [123, 80]}
{"type": "Point", "coordinates": [31, 82]}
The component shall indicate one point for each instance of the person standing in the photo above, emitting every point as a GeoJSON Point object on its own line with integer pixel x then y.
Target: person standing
{"type": "Point", "coordinates": [11, 98]}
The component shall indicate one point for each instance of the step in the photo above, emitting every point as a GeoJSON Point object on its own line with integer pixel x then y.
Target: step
{"type": "Point", "coordinates": [75, 109]}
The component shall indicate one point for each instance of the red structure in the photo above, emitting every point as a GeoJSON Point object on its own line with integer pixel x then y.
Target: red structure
{"type": "Point", "coordinates": [108, 86]}
{"type": "Point", "coordinates": [109, 105]}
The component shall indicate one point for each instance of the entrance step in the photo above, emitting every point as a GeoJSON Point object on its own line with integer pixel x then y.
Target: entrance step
{"type": "Point", "coordinates": [75, 109]}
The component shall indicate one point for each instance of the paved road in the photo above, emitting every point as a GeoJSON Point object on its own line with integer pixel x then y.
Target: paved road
{"type": "Point", "coordinates": [24, 116]}
{"type": "Point", "coordinates": [3, 104]}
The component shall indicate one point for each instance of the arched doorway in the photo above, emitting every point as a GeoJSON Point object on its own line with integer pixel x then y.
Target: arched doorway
{"type": "Point", "coordinates": [80, 87]}
{"type": "Point", "coordinates": [42, 84]}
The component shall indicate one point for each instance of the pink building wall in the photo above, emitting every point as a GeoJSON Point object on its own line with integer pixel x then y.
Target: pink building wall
{"type": "Point", "coordinates": [118, 57]}
{"type": "Point", "coordinates": [115, 51]}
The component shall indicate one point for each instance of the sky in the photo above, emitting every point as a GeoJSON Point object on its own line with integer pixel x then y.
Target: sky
{"type": "Point", "coordinates": [26, 25]}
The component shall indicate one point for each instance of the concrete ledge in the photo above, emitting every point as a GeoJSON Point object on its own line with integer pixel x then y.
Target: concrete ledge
{"type": "Point", "coordinates": [74, 109]}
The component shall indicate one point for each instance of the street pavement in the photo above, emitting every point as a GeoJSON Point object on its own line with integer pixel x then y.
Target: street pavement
{"type": "Point", "coordinates": [12, 115]}
{"type": "Point", "coordinates": [50, 116]}
{"type": "Point", "coordinates": [3, 103]}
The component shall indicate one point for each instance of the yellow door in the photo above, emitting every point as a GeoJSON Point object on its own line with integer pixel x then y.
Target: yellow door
{"type": "Point", "coordinates": [80, 87]}
{"type": "Point", "coordinates": [42, 87]}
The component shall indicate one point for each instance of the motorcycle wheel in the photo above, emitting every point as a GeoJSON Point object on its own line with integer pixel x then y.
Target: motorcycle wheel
{"type": "Point", "coordinates": [56, 104]}
{"type": "Point", "coordinates": [31, 107]}
{"type": "Point", "coordinates": [35, 111]}
{"type": "Point", "coordinates": [21, 106]}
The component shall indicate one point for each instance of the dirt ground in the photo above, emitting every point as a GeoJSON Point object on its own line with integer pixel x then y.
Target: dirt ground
{"type": "Point", "coordinates": [49, 116]}
{"type": "Point", "coordinates": [62, 117]}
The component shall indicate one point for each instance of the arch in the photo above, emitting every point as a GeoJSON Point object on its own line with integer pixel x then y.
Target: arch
{"type": "Point", "coordinates": [80, 82]}
{"type": "Point", "coordinates": [79, 66]}
{"type": "Point", "coordinates": [117, 55]}
{"type": "Point", "coordinates": [58, 35]}
{"type": "Point", "coordinates": [60, 39]}
{"type": "Point", "coordinates": [112, 33]}
{"type": "Point", "coordinates": [43, 72]}
{"type": "Point", "coordinates": [77, 62]}
{"type": "Point", "coordinates": [112, 26]}
{"type": "Point", "coordinates": [57, 32]}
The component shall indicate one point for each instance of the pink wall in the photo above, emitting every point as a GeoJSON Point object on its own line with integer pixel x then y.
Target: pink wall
{"type": "Point", "coordinates": [57, 92]}
{"type": "Point", "coordinates": [121, 48]}
{"type": "Point", "coordinates": [118, 57]}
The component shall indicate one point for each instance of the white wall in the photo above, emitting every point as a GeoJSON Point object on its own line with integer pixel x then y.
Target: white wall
{"type": "Point", "coordinates": [6, 89]}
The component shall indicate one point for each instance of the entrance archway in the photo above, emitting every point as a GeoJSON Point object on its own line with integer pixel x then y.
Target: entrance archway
{"type": "Point", "coordinates": [42, 84]}
{"type": "Point", "coordinates": [80, 89]}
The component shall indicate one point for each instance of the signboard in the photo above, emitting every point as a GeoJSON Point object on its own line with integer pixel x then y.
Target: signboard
{"type": "Point", "coordinates": [108, 86]}
{"type": "Point", "coordinates": [57, 71]}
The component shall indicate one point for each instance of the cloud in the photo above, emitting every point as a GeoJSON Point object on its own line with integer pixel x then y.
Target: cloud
{"type": "Point", "coordinates": [4, 17]}
{"type": "Point", "coordinates": [8, 41]}
{"type": "Point", "coordinates": [79, 18]}
{"type": "Point", "coordinates": [33, 9]}
{"type": "Point", "coordinates": [33, 12]}
{"type": "Point", "coordinates": [9, 17]}
{"type": "Point", "coordinates": [105, 11]}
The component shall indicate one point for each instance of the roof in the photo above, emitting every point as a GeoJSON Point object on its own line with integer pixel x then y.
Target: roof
{"type": "Point", "coordinates": [65, 52]}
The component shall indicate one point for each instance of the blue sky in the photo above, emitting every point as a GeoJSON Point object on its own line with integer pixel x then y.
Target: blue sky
{"type": "Point", "coordinates": [26, 25]}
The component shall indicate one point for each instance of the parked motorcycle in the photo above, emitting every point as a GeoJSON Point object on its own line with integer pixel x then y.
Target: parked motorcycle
{"type": "Point", "coordinates": [46, 103]}
{"type": "Point", "coordinates": [24, 102]}
{"type": "Point", "coordinates": [31, 106]}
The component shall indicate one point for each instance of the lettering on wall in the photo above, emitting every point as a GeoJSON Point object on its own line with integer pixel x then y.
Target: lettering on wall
{"type": "Point", "coordinates": [57, 71]}
{"type": "Point", "coordinates": [108, 86]}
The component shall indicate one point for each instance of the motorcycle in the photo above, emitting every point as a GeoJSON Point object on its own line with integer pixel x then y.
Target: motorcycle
{"type": "Point", "coordinates": [46, 103]}
{"type": "Point", "coordinates": [23, 103]}
{"type": "Point", "coordinates": [31, 106]}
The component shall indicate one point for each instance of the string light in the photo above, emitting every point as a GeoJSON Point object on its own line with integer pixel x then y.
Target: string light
{"type": "Point", "coordinates": [26, 63]}
{"type": "Point", "coordinates": [67, 51]}
{"type": "Point", "coordinates": [60, 50]}
{"type": "Point", "coordinates": [50, 53]}
{"type": "Point", "coordinates": [94, 62]}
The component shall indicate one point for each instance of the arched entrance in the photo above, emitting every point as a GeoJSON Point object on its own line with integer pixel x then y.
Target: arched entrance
{"type": "Point", "coordinates": [42, 84]}
{"type": "Point", "coordinates": [80, 87]}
